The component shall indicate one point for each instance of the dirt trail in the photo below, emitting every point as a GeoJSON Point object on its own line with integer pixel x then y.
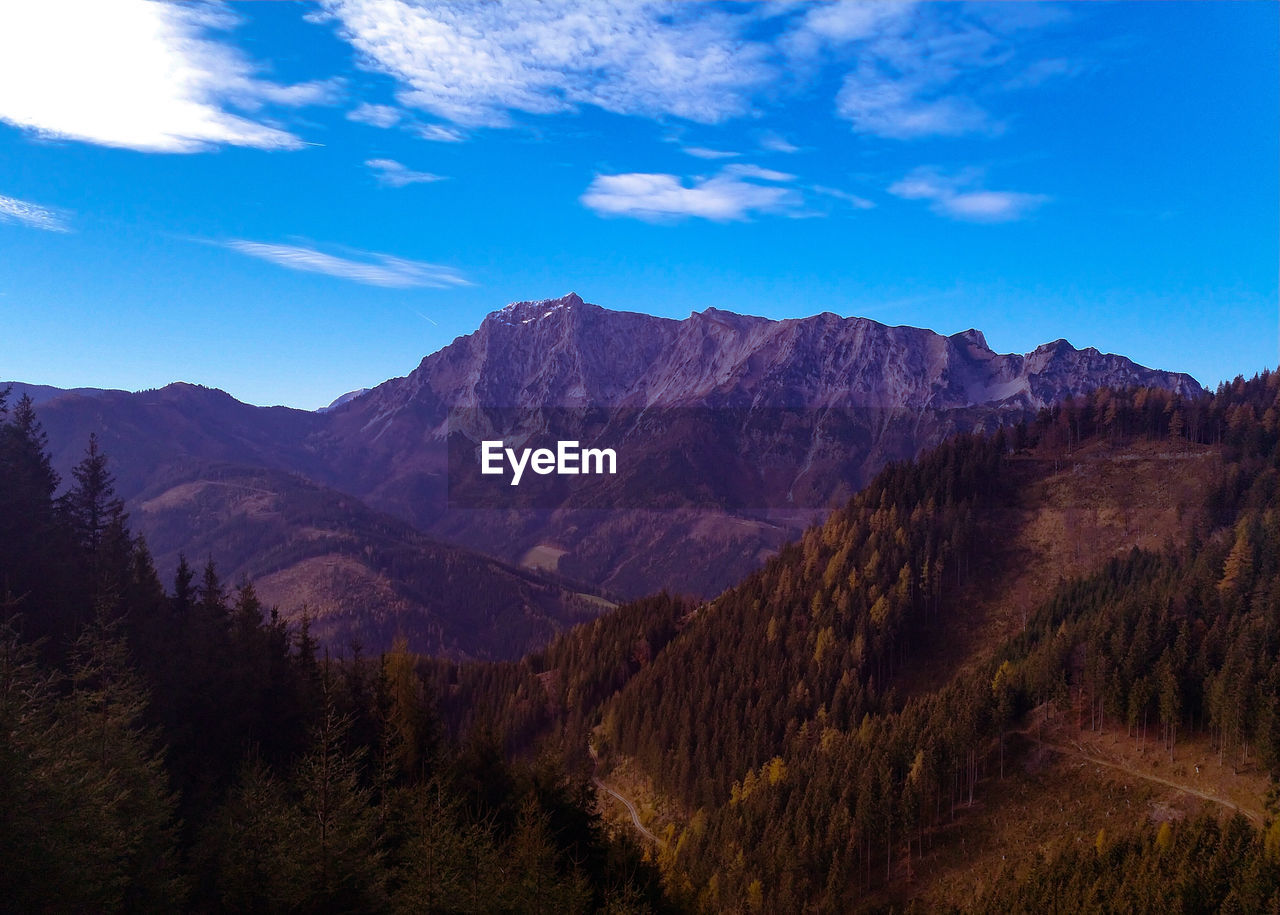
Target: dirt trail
{"type": "Point", "coordinates": [635, 816]}
{"type": "Point", "coordinates": [1254, 815]}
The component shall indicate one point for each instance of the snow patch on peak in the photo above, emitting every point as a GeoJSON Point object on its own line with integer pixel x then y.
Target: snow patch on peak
{"type": "Point", "coordinates": [518, 313]}
{"type": "Point", "coordinates": [564, 301]}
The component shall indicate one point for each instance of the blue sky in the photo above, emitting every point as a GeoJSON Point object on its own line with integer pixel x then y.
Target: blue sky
{"type": "Point", "coordinates": [290, 201]}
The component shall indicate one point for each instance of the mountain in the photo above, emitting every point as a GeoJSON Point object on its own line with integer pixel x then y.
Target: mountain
{"type": "Point", "coordinates": [566, 352]}
{"type": "Point", "coordinates": [856, 395]}
{"type": "Point", "coordinates": [733, 433]}
{"type": "Point", "coordinates": [184, 749]}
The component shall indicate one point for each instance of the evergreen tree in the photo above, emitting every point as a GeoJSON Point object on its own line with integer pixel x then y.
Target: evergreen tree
{"type": "Point", "coordinates": [339, 848]}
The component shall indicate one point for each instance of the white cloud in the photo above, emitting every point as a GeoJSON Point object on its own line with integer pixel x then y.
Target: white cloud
{"type": "Point", "coordinates": [918, 69]}
{"type": "Point", "coordinates": [881, 107]}
{"type": "Point", "coordinates": [137, 74]}
{"type": "Point", "coordinates": [773, 142]}
{"type": "Point", "coordinates": [858, 203]}
{"type": "Point", "coordinates": [702, 152]}
{"type": "Point", "coordinates": [746, 170]}
{"type": "Point", "coordinates": [827, 26]}
{"type": "Point", "coordinates": [906, 69]}
{"type": "Point", "coordinates": [475, 62]}
{"type": "Point", "coordinates": [371, 268]}
{"type": "Point", "coordinates": [439, 134]}
{"type": "Point", "coordinates": [724, 197]}
{"type": "Point", "coordinates": [32, 214]}
{"type": "Point", "coordinates": [393, 174]}
{"type": "Point", "coordinates": [375, 115]}
{"type": "Point", "coordinates": [1042, 71]}
{"type": "Point", "coordinates": [990, 206]}
{"type": "Point", "coordinates": [957, 197]}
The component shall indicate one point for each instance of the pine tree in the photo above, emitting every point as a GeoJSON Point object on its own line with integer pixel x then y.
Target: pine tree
{"type": "Point", "coordinates": [445, 862]}
{"type": "Point", "coordinates": [339, 849]}
{"type": "Point", "coordinates": [98, 524]}
{"type": "Point", "coordinates": [36, 577]}
{"type": "Point", "coordinates": [409, 716]}
{"type": "Point", "coordinates": [91, 504]}
{"type": "Point", "coordinates": [86, 815]}
{"type": "Point", "coordinates": [246, 851]}
{"type": "Point", "coordinates": [109, 705]}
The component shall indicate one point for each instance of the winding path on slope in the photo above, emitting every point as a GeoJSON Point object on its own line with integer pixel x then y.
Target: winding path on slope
{"type": "Point", "coordinates": [1253, 815]}
{"type": "Point", "coordinates": [635, 816]}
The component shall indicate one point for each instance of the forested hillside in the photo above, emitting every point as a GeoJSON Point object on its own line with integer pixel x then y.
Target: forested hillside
{"type": "Point", "coordinates": [788, 725]}
{"type": "Point", "coordinates": [774, 720]}
{"type": "Point", "coordinates": [185, 750]}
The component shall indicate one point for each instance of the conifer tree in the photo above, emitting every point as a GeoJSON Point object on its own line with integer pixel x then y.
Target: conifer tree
{"type": "Point", "coordinates": [339, 847]}
{"type": "Point", "coordinates": [34, 578]}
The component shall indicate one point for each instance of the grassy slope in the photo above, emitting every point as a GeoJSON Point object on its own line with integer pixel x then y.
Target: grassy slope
{"type": "Point", "coordinates": [359, 573]}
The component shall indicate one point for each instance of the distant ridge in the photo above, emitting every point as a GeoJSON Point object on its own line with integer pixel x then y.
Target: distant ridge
{"type": "Point", "coordinates": [345, 398]}
{"type": "Point", "coordinates": [39, 393]}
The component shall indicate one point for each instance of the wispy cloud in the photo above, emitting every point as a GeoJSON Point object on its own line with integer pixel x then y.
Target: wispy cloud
{"type": "Point", "coordinates": [393, 174]}
{"type": "Point", "coordinates": [730, 195]}
{"type": "Point", "coordinates": [474, 63]}
{"type": "Point", "coordinates": [139, 75]}
{"type": "Point", "coordinates": [437, 133]}
{"type": "Point", "coordinates": [958, 196]}
{"type": "Point", "coordinates": [858, 203]}
{"type": "Point", "coordinates": [877, 106]}
{"type": "Point", "coordinates": [368, 267]}
{"type": "Point", "coordinates": [827, 28]}
{"type": "Point", "coordinates": [1042, 71]}
{"type": "Point", "coordinates": [902, 88]}
{"type": "Point", "coordinates": [775, 142]}
{"type": "Point", "coordinates": [32, 214]}
{"type": "Point", "coordinates": [906, 69]}
{"type": "Point", "coordinates": [375, 115]}
{"type": "Point", "coordinates": [746, 170]}
{"type": "Point", "coordinates": [702, 152]}
{"type": "Point", "coordinates": [918, 70]}
{"type": "Point", "coordinates": [147, 75]}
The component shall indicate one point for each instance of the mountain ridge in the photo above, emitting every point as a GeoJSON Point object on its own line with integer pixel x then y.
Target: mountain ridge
{"type": "Point", "coordinates": [761, 330]}
{"type": "Point", "coordinates": [753, 343]}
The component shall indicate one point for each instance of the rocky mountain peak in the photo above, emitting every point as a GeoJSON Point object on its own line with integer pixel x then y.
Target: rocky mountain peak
{"type": "Point", "coordinates": [523, 313]}
{"type": "Point", "coordinates": [1057, 346]}
{"type": "Point", "coordinates": [974, 337]}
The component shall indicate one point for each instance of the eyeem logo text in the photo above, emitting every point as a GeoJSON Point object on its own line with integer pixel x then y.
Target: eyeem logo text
{"type": "Point", "coordinates": [566, 460]}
